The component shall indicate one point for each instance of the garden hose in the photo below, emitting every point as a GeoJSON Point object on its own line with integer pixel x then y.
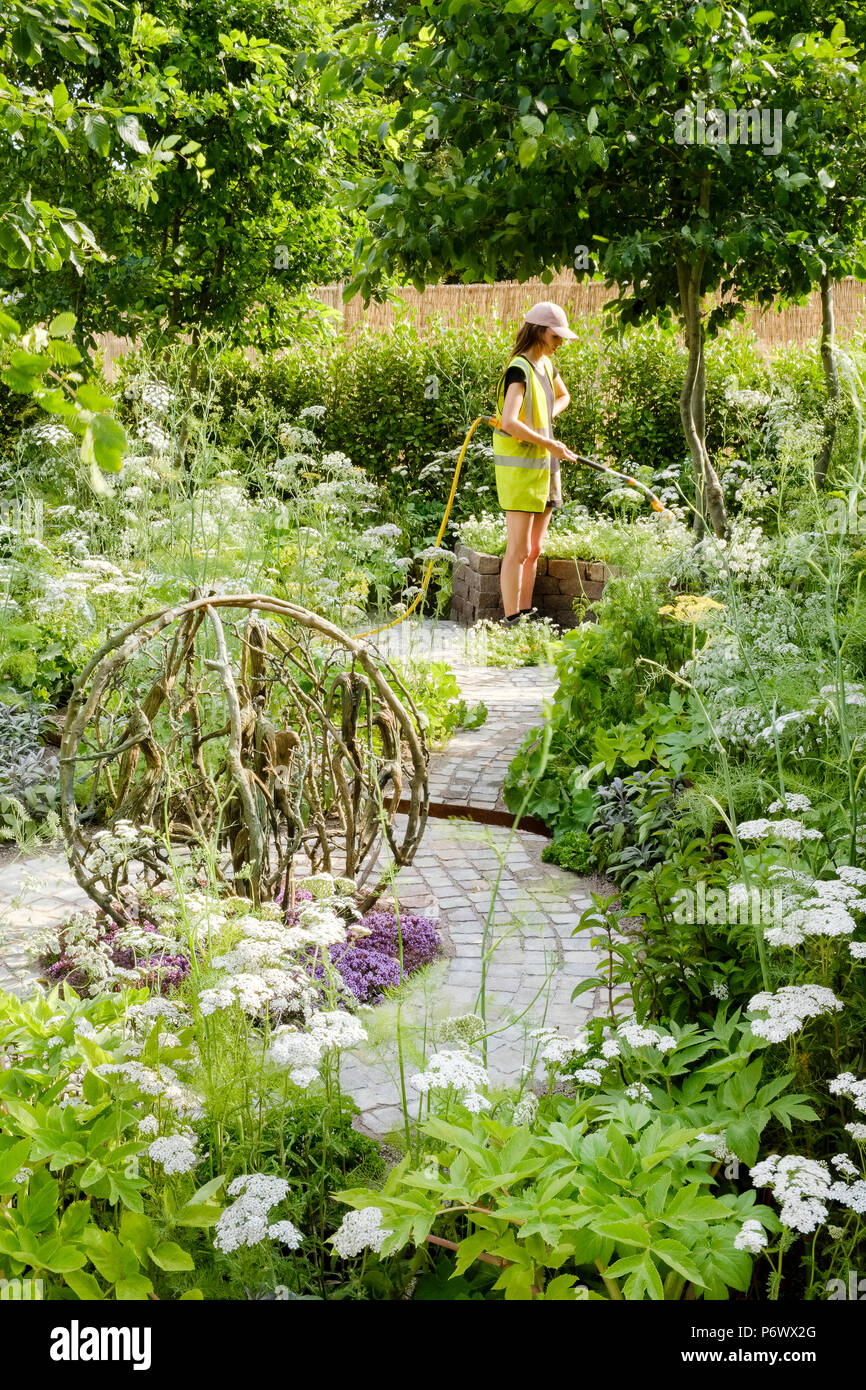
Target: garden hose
{"type": "Point", "coordinates": [654, 502]}
{"type": "Point", "coordinates": [482, 419]}
{"type": "Point", "coordinates": [494, 423]}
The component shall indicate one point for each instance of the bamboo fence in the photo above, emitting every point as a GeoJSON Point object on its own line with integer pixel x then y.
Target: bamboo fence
{"type": "Point", "coordinates": [507, 302]}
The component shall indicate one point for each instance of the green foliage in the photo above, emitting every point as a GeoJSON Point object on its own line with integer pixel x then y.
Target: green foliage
{"type": "Point", "coordinates": [435, 692]}
{"type": "Point", "coordinates": [571, 850]}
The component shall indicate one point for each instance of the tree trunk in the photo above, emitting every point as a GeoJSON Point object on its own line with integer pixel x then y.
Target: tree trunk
{"type": "Point", "coordinates": [831, 379]}
{"type": "Point", "coordinates": [709, 498]}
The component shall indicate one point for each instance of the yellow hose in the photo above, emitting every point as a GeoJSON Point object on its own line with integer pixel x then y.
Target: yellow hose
{"type": "Point", "coordinates": [482, 419]}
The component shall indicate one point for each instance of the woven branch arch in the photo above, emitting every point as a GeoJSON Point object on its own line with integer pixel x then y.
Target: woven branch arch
{"type": "Point", "coordinates": [248, 728]}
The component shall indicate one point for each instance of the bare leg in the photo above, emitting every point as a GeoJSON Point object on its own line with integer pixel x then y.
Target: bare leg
{"type": "Point", "coordinates": [516, 552]}
{"type": "Point", "coordinates": [540, 523]}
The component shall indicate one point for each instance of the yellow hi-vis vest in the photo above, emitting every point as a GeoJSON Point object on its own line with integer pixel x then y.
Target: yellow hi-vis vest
{"type": "Point", "coordinates": [522, 469]}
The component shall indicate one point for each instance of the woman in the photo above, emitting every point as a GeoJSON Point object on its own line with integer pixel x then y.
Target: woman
{"type": "Point", "coordinates": [530, 394]}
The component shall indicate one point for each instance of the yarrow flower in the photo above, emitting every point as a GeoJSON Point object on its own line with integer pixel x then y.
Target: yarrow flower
{"type": "Point", "coordinates": [792, 801]}
{"type": "Point", "coordinates": [245, 1222]}
{"type": "Point", "coordinates": [637, 1036]}
{"type": "Point", "coordinates": [360, 1230]}
{"type": "Point", "coordinates": [791, 831]}
{"type": "Point", "coordinates": [802, 1186]}
{"type": "Point", "coordinates": [176, 1153]}
{"type": "Point", "coordinates": [638, 1091]}
{"type": "Point", "coordinates": [751, 1236]}
{"type": "Point", "coordinates": [451, 1068]}
{"type": "Point", "coordinates": [337, 1029]}
{"type": "Point", "coordinates": [847, 1084]}
{"type": "Point", "coordinates": [788, 1009]}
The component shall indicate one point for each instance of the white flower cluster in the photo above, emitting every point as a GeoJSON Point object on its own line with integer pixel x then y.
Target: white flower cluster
{"type": "Point", "coordinates": [791, 831]}
{"type": "Point", "coordinates": [745, 557]}
{"type": "Point", "coordinates": [163, 1083]}
{"type": "Point", "coordinates": [751, 1236]}
{"type": "Point", "coordinates": [847, 1084]}
{"type": "Point", "coordinates": [169, 1011]}
{"type": "Point", "coordinates": [245, 1222]}
{"type": "Point", "coordinates": [176, 1153]}
{"type": "Point", "coordinates": [360, 1230]}
{"type": "Point", "coordinates": [793, 802]}
{"type": "Point", "coordinates": [156, 397]}
{"type": "Point", "coordinates": [636, 1035]}
{"type": "Point", "coordinates": [803, 1186]}
{"type": "Point", "coordinates": [525, 1110]}
{"type": "Point", "coordinates": [255, 991]}
{"type": "Point", "coordinates": [453, 1068]}
{"type": "Point", "coordinates": [638, 1091]}
{"type": "Point", "coordinates": [787, 1010]}
{"type": "Point", "coordinates": [825, 913]}
{"type": "Point", "coordinates": [463, 1029]}
{"type": "Point", "coordinates": [51, 432]}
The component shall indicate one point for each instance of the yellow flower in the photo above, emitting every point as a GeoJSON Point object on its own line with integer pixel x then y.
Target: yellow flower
{"type": "Point", "coordinates": [689, 608]}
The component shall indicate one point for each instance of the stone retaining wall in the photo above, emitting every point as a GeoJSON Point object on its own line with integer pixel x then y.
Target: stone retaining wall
{"type": "Point", "coordinates": [475, 591]}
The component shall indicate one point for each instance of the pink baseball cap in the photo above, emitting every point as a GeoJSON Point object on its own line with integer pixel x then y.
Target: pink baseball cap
{"type": "Point", "coordinates": [549, 315]}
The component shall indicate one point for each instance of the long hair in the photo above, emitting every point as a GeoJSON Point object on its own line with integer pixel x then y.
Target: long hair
{"type": "Point", "coordinates": [528, 335]}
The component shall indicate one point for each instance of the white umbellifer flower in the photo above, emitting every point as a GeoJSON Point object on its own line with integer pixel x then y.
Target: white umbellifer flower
{"type": "Point", "coordinates": [587, 1076]}
{"type": "Point", "coordinates": [337, 1029]}
{"type": "Point", "coordinates": [474, 1102]}
{"type": "Point", "coordinates": [792, 801]}
{"type": "Point", "coordinates": [857, 949]}
{"type": "Point", "coordinates": [751, 1236]}
{"type": "Point", "coordinates": [843, 1164]}
{"type": "Point", "coordinates": [610, 1048]}
{"type": "Point", "coordinates": [788, 1009]}
{"type": "Point", "coordinates": [304, 1076]}
{"type": "Point", "coordinates": [175, 1152]}
{"type": "Point", "coordinates": [264, 1187]}
{"type": "Point", "coordinates": [847, 1084]}
{"type": "Point", "coordinates": [638, 1091]}
{"type": "Point", "coordinates": [210, 1000]}
{"type": "Point", "coordinates": [525, 1110]}
{"type": "Point", "coordinates": [173, 1013]}
{"type": "Point", "coordinates": [789, 830]}
{"type": "Point", "coordinates": [22, 1175]}
{"type": "Point", "coordinates": [360, 1230]}
{"type": "Point", "coordinates": [720, 1148]}
{"type": "Point", "coordinates": [245, 1222]}
{"type": "Point", "coordinates": [719, 990]}
{"type": "Point", "coordinates": [857, 1131]}
{"type": "Point", "coordinates": [156, 397]}
{"type": "Point", "coordinates": [450, 1068]}
{"type": "Point", "coordinates": [149, 1125]}
{"type": "Point", "coordinates": [292, 1048]}
{"type": "Point", "coordinates": [853, 874]}
{"type": "Point", "coordinates": [558, 1049]}
{"type": "Point", "coordinates": [636, 1035]}
{"type": "Point", "coordinates": [803, 1186]}
{"type": "Point", "coordinates": [286, 1233]}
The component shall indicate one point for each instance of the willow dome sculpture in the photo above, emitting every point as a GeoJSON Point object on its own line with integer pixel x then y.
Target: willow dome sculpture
{"type": "Point", "coordinates": [248, 729]}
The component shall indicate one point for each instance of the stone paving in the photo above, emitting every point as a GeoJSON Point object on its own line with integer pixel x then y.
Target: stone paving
{"type": "Point", "coordinates": [533, 961]}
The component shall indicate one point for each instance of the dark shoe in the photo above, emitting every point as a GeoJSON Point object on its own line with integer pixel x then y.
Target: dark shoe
{"type": "Point", "coordinates": [511, 621]}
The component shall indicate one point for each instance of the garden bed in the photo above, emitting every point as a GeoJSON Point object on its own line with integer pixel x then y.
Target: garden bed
{"type": "Point", "coordinates": [476, 595]}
